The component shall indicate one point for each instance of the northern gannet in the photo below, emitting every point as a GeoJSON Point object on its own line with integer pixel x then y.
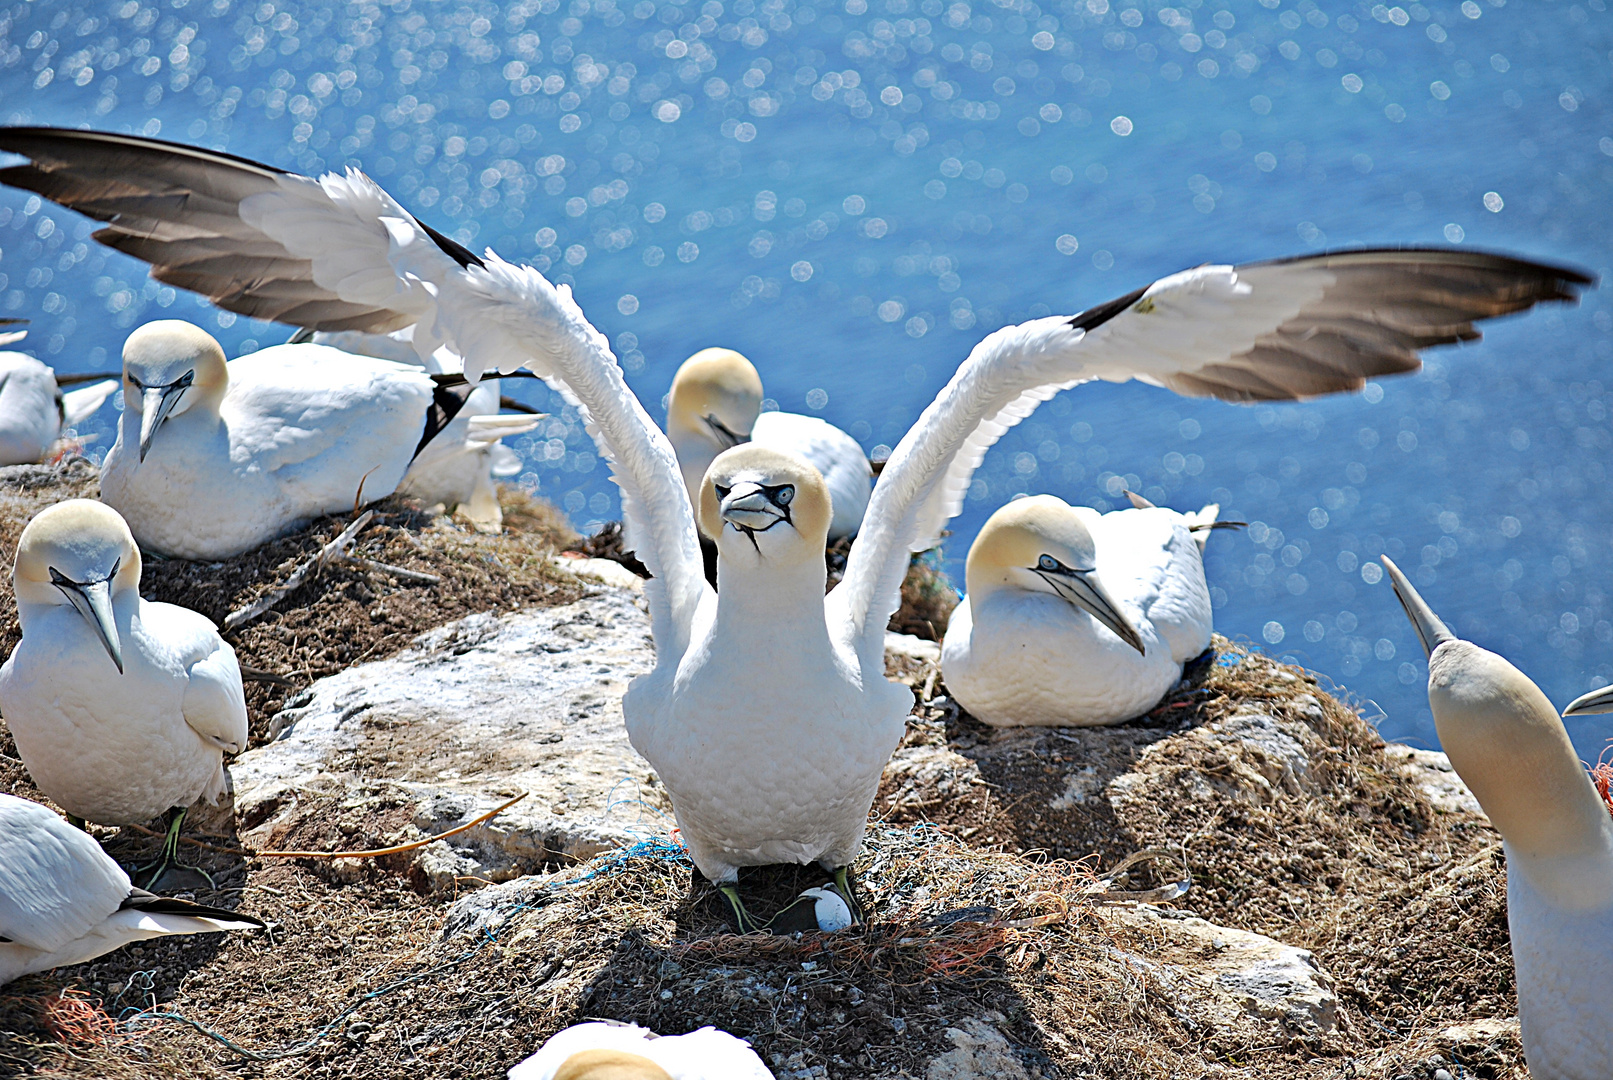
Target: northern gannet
{"type": "Point", "coordinates": [33, 408]}
{"type": "Point", "coordinates": [1506, 742]}
{"type": "Point", "coordinates": [1075, 617]}
{"type": "Point", "coordinates": [122, 709]}
{"type": "Point", "coordinates": [64, 901]}
{"type": "Point", "coordinates": [215, 458]}
{"type": "Point", "coordinates": [461, 466]}
{"type": "Point", "coordinates": [768, 714]}
{"type": "Point", "coordinates": [716, 403]}
{"type": "Point", "coordinates": [608, 1051]}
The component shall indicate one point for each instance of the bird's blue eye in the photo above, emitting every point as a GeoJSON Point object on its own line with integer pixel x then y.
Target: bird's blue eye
{"type": "Point", "coordinates": [722, 492]}
{"type": "Point", "coordinates": [1047, 562]}
{"type": "Point", "coordinates": [784, 494]}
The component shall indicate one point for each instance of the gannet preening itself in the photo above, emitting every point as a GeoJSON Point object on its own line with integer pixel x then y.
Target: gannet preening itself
{"type": "Point", "coordinates": [214, 458]}
{"type": "Point", "coordinates": [1506, 742]}
{"type": "Point", "coordinates": [122, 708]}
{"type": "Point", "coordinates": [768, 714]}
{"type": "Point", "coordinates": [716, 403]}
{"type": "Point", "coordinates": [610, 1051]}
{"type": "Point", "coordinates": [461, 466]}
{"type": "Point", "coordinates": [1075, 617]}
{"type": "Point", "coordinates": [33, 409]}
{"type": "Point", "coordinates": [64, 901]}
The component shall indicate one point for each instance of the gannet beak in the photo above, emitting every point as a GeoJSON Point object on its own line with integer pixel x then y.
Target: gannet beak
{"type": "Point", "coordinates": [156, 402]}
{"type": "Point", "coordinates": [1078, 588]}
{"type": "Point", "coordinates": [1597, 701]}
{"type": "Point", "coordinates": [93, 600]}
{"type": "Point", "coordinates": [724, 434]}
{"type": "Point", "coordinates": [754, 507]}
{"type": "Point", "coordinates": [1430, 631]}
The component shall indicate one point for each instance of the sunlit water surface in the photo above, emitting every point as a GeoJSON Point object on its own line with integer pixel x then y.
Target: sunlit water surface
{"type": "Point", "coordinates": [854, 193]}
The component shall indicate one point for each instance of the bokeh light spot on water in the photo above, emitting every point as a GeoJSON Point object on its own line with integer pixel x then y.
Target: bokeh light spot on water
{"type": "Point", "coordinates": [719, 168]}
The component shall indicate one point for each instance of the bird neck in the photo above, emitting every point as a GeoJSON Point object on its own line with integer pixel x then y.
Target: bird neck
{"type": "Point", "coordinates": [770, 605]}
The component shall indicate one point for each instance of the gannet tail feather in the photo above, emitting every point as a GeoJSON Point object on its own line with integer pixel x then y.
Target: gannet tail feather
{"type": "Point", "coordinates": [79, 405]}
{"type": "Point", "coordinates": [1283, 330]}
{"type": "Point", "coordinates": [1201, 522]}
{"type": "Point", "coordinates": [181, 916]}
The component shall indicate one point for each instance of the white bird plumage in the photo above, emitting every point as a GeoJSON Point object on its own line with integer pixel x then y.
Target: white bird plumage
{"type": "Point", "coordinates": [1075, 617]}
{"type": "Point", "coordinates": [1508, 745]}
{"type": "Point", "coordinates": [460, 467]}
{"type": "Point", "coordinates": [706, 1054]}
{"type": "Point", "coordinates": [213, 459]}
{"type": "Point", "coordinates": [767, 715]}
{"type": "Point", "coordinates": [122, 709]}
{"type": "Point", "coordinates": [33, 409]}
{"type": "Point", "coordinates": [63, 900]}
{"type": "Point", "coordinates": [716, 402]}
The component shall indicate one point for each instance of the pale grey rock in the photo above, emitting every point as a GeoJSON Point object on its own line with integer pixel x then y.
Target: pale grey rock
{"type": "Point", "coordinates": [470, 715]}
{"type": "Point", "coordinates": [981, 1052]}
{"type": "Point", "coordinates": [1226, 979]}
{"type": "Point", "coordinates": [1431, 771]}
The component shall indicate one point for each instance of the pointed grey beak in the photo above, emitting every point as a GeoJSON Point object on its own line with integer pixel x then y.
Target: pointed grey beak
{"type": "Point", "coordinates": [156, 402]}
{"type": "Point", "coordinates": [1080, 589]}
{"type": "Point", "coordinates": [748, 507]}
{"type": "Point", "coordinates": [1597, 701]}
{"type": "Point", "coordinates": [93, 600]}
{"type": "Point", "coordinates": [725, 435]}
{"type": "Point", "coordinates": [1430, 631]}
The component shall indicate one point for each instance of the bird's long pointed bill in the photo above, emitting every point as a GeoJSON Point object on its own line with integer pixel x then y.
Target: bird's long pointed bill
{"type": "Point", "coordinates": [1597, 701]}
{"type": "Point", "coordinates": [1430, 630]}
{"type": "Point", "coordinates": [94, 602]}
{"type": "Point", "coordinates": [156, 402]}
{"type": "Point", "coordinates": [1089, 596]}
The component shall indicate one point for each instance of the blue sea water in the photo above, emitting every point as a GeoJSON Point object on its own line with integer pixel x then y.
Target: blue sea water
{"type": "Point", "coordinates": [854, 192]}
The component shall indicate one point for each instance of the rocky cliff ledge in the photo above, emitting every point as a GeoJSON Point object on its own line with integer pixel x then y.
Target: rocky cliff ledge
{"type": "Point", "coordinates": [1344, 917]}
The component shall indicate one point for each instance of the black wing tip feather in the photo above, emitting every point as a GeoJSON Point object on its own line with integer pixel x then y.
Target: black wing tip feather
{"type": "Point", "coordinates": [28, 141]}
{"type": "Point", "coordinates": [140, 900]}
{"type": "Point", "coordinates": [1495, 259]}
{"type": "Point", "coordinates": [1094, 317]}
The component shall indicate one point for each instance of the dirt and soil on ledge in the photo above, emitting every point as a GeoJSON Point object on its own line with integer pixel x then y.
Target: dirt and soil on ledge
{"type": "Point", "coordinates": [988, 953]}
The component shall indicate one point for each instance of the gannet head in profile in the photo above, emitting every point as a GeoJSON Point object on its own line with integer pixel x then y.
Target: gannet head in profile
{"type": "Point", "coordinates": [1509, 746]}
{"type": "Point", "coordinates": [1040, 544]}
{"type": "Point", "coordinates": [170, 367]}
{"type": "Point", "coordinates": [765, 507]}
{"type": "Point", "coordinates": [79, 553]}
{"type": "Point", "coordinates": [717, 396]}
{"type": "Point", "coordinates": [609, 1065]}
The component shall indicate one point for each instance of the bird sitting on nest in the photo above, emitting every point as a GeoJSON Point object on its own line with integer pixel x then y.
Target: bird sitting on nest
{"type": "Point", "coordinates": [768, 715]}
{"type": "Point", "coordinates": [1075, 617]}
{"type": "Point", "coordinates": [1508, 745]}
{"type": "Point", "coordinates": [33, 409]}
{"type": "Point", "coordinates": [716, 403]}
{"type": "Point", "coordinates": [122, 709]}
{"type": "Point", "coordinates": [64, 901]}
{"type": "Point", "coordinates": [615, 1051]}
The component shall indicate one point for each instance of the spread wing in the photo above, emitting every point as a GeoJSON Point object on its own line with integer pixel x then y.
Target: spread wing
{"type": "Point", "coordinates": [56, 884]}
{"type": "Point", "coordinates": [1267, 331]}
{"type": "Point", "coordinates": [254, 239]}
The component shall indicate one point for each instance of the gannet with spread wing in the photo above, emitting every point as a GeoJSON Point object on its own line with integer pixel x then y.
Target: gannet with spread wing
{"type": "Point", "coordinates": [768, 714]}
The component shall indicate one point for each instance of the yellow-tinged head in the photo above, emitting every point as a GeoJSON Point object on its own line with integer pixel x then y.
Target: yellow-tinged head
{"type": "Point", "coordinates": [1040, 544]}
{"type": "Point", "coordinates": [79, 553]}
{"type": "Point", "coordinates": [1506, 741]}
{"type": "Point", "coordinates": [764, 505]}
{"type": "Point", "coordinates": [716, 395]}
{"type": "Point", "coordinates": [170, 367]}
{"type": "Point", "coordinates": [609, 1065]}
